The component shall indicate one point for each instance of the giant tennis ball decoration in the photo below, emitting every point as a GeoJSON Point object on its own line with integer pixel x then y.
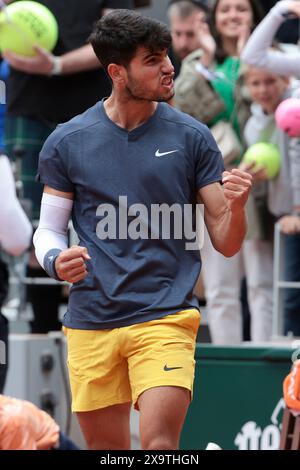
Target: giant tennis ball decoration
{"type": "Point", "coordinates": [25, 24]}
{"type": "Point", "coordinates": [264, 155]}
{"type": "Point", "coordinates": [287, 116]}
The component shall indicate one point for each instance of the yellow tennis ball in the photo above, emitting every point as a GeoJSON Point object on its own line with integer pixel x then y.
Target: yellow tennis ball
{"type": "Point", "coordinates": [264, 155]}
{"type": "Point", "coordinates": [26, 24]}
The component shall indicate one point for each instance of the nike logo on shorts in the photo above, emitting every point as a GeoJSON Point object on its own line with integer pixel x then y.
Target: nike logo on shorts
{"type": "Point", "coordinates": [166, 368]}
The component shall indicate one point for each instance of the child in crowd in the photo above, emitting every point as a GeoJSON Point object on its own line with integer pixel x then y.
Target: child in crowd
{"type": "Point", "coordinates": [267, 90]}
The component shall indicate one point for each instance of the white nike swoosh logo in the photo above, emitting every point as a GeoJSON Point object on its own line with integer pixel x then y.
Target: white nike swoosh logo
{"type": "Point", "coordinates": [158, 154]}
{"type": "Point", "coordinates": [51, 258]}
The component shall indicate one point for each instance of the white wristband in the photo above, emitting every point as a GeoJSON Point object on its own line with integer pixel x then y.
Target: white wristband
{"type": "Point", "coordinates": [56, 66]}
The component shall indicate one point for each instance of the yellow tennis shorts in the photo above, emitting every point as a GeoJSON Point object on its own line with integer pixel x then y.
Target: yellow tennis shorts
{"type": "Point", "coordinates": [110, 367]}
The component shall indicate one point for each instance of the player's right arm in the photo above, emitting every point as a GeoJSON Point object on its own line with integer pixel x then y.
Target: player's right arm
{"type": "Point", "coordinates": [51, 238]}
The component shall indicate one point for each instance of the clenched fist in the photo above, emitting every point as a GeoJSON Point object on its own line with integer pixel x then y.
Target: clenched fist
{"type": "Point", "coordinates": [70, 264]}
{"type": "Point", "coordinates": [236, 187]}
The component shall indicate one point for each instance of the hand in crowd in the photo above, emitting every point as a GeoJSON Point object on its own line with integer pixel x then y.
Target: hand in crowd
{"type": "Point", "coordinates": [41, 63]}
{"type": "Point", "coordinates": [244, 34]}
{"type": "Point", "coordinates": [293, 7]}
{"type": "Point", "coordinates": [70, 264]}
{"type": "Point", "coordinates": [258, 173]}
{"type": "Point", "coordinates": [289, 224]}
{"type": "Point", "coordinates": [236, 187]}
{"type": "Point", "coordinates": [206, 40]}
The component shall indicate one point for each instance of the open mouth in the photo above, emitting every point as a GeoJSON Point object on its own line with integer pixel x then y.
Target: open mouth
{"type": "Point", "coordinates": [167, 81]}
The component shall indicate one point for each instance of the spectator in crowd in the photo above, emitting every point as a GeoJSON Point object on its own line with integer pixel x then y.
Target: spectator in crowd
{"type": "Point", "coordinates": [184, 17]}
{"type": "Point", "coordinates": [15, 237]}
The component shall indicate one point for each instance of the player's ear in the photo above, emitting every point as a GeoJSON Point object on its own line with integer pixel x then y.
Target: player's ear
{"type": "Point", "coordinates": [117, 73]}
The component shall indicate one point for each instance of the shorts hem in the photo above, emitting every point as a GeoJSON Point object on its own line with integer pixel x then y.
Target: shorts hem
{"type": "Point", "coordinates": [162, 384]}
{"type": "Point", "coordinates": [94, 407]}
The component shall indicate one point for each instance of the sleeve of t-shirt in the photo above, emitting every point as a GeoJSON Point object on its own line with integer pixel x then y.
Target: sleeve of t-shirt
{"type": "Point", "coordinates": [257, 51]}
{"type": "Point", "coordinates": [128, 4]}
{"type": "Point", "coordinates": [209, 161]}
{"type": "Point", "coordinates": [52, 168]}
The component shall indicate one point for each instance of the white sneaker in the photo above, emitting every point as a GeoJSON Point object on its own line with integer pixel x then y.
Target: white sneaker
{"type": "Point", "coordinates": [213, 446]}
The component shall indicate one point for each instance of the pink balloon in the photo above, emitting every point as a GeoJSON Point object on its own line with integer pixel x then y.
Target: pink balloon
{"type": "Point", "coordinates": [287, 116]}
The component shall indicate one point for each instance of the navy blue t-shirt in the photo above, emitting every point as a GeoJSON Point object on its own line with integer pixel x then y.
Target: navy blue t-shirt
{"type": "Point", "coordinates": [118, 179]}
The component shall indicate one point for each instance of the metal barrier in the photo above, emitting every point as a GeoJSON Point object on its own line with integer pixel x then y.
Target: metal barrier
{"type": "Point", "coordinates": [279, 283]}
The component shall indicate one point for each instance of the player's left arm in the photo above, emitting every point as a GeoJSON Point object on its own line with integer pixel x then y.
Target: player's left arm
{"type": "Point", "coordinates": [224, 211]}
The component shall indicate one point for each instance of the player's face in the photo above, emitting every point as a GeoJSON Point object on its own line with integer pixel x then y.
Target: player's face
{"type": "Point", "coordinates": [150, 76]}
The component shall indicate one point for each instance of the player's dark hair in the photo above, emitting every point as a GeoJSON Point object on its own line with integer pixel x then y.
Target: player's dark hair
{"type": "Point", "coordinates": [118, 35]}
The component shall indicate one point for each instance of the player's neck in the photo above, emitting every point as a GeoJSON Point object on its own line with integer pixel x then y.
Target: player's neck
{"type": "Point", "coordinates": [128, 113]}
